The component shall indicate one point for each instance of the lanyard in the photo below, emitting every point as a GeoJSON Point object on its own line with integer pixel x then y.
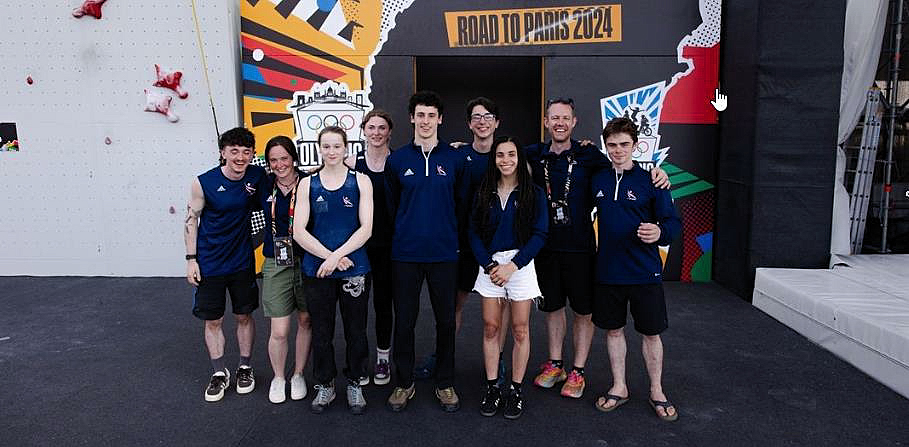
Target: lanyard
{"type": "Point", "coordinates": [274, 198]}
{"type": "Point", "coordinates": [567, 178]}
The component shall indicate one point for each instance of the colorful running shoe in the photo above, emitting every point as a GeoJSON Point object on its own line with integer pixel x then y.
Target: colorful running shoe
{"type": "Point", "coordinates": [549, 376]}
{"type": "Point", "coordinates": [574, 386]}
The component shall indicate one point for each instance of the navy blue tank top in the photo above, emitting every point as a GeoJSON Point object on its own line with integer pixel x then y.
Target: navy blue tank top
{"type": "Point", "coordinates": [224, 244]}
{"type": "Point", "coordinates": [282, 218]}
{"type": "Point", "coordinates": [381, 221]}
{"type": "Point", "coordinates": [333, 218]}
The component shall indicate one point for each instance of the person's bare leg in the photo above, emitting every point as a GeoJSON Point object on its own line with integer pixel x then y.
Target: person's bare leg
{"type": "Point", "coordinates": [582, 336]}
{"type": "Point", "coordinates": [459, 308]}
{"type": "Point", "coordinates": [303, 340]}
{"type": "Point", "coordinates": [520, 331]}
{"type": "Point", "coordinates": [214, 338]}
{"type": "Point", "coordinates": [617, 349]}
{"type": "Point", "coordinates": [277, 345]}
{"type": "Point", "coordinates": [246, 334]}
{"type": "Point", "coordinates": [652, 348]}
{"type": "Point", "coordinates": [506, 323]}
{"type": "Point", "coordinates": [492, 318]}
{"type": "Point", "coordinates": [555, 329]}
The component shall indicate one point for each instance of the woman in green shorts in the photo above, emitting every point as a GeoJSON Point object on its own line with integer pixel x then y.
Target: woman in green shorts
{"type": "Point", "coordinates": [282, 286]}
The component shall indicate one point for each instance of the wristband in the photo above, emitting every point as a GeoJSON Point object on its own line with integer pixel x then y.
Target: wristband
{"type": "Point", "coordinates": [490, 266]}
{"type": "Point", "coordinates": [188, 257]}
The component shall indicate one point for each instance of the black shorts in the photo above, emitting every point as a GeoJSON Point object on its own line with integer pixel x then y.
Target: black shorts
{"type": "Point", "coordinates": [468, 268]}
{"type": "Point", "coordinates": [648, 307]}
{"type": "Point", "coordinates": [565, 277]}
{"type": "Point", "coordinates": [209, 297]}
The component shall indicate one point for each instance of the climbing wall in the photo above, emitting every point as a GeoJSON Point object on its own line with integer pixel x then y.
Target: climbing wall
{"type": "Point", "coordinates": [99, 185]}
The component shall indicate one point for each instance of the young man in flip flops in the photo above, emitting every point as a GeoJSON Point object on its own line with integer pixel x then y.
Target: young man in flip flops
{"type": "Point", "coordinates": [634, 219]}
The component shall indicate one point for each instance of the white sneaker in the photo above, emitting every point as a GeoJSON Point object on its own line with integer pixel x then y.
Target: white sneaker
{"type": "Point", "coordinates": [276, 393]}
{"type": "Point", "coordinates": [297, 387]}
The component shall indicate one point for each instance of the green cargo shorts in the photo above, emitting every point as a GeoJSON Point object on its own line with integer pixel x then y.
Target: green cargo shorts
{"type": "Point", "coordinates": [282, 289]}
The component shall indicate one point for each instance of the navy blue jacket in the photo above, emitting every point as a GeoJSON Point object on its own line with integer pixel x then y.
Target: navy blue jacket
{"type": "Point", "coordinates": [578, 235]}
{"type": "Point", "coordinates": [426, 197]}
{"type": "Point", "coordinates": [476, 170]}
{"type": "Point", "coordinates": [504, 237]}
{"type": "Point", "coordinates": [625, 200]}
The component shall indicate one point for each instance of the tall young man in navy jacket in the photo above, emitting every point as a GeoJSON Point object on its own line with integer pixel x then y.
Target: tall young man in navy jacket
{"type": "Point", "coordinates": [563, 168]}
{"type": "Point", "coordinates": [634, 218]}
{"type": "Point", "coordinates": [426, 193]}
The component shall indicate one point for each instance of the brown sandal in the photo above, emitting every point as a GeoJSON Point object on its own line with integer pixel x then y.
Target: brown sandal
{"type": "Point", "coordinates": [601, 402]}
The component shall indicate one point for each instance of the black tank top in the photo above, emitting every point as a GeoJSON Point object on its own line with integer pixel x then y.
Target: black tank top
{"type": "Point", "coordinates": [381, 221]}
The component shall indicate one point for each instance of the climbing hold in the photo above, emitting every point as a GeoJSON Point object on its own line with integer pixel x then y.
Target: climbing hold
{"type": "Point", "coordinates": [29, 80]}
{"type": "Point", "coordinates": [157, 102]}
{"type": "Point", "coordinates": [171, 210]}
{"type": "Point", "coordinates": [170, 79]}
{"type": "Point", "coordinates": [89, 7]}
{"type": "Point", "coordinates": [107, 140]}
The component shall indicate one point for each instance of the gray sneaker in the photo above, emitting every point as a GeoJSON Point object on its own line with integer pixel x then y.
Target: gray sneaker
{"type": "Point", "coordinates": [355, 400]}
{"type": "Point", "coordinates": [325, 395]}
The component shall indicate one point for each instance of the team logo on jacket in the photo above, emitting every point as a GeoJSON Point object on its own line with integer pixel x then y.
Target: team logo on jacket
{"type": "Point", "coordinates": [347, 202]}
{"type": "Point", "coordinates": [440, 171]}
{"type": "Point", "coordinates": [250, 189]}
{"type": "Point", "coordinates": [630, 195]}
{"type": "Point", "coordinates": [600, 194]}
{"type": "Point", "coordinates": [469, 159]}
{"type": "Point", "coordinates": [320, 199]}
{"type": "Point", "coordinates": [222, 188]}
{"type": "Point", "coordinates": [408, 172]}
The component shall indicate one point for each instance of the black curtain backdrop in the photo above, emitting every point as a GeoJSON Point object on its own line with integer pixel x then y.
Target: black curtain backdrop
{"type": "Point", "coordinates": [781, 64]}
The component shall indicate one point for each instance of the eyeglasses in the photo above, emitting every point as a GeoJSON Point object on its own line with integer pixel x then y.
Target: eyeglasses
{"type": "Point", "coordinates": [488, 117]}
{"type": "Point", "coordinates": [560, 100]}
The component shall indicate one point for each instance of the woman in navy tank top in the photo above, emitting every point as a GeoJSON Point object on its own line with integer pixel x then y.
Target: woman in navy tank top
{"type": "Point", "coordinates": [377, 127]}
{"type": "Point", "coordinates": [332, 222]}
{"type": "Point", "coordinates": [282, 282]}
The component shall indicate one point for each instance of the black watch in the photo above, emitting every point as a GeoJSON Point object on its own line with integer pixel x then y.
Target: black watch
{"type": "Point", "coordinates": [490, 266]}
{"type": "Point", "coordinates": [188, 257]}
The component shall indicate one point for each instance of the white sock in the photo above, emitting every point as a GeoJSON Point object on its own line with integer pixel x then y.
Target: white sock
{"type": "Point", "coordinates": [382, 354]}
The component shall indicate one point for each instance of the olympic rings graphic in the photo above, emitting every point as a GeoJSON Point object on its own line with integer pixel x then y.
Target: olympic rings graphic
{"type": "Point", "coordinates": [314, 122]}
{"type": "Point", "coordinates": [330, 120]}
{"type": "Point", "coordinates": [347, 122]}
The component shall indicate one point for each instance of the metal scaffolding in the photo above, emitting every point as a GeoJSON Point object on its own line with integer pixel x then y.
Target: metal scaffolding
{"type": "Point", "coordinates": [893, 108]}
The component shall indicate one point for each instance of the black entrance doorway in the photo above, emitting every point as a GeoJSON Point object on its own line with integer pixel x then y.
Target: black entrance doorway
{"type": "Point", "coordinates": [514, 83]}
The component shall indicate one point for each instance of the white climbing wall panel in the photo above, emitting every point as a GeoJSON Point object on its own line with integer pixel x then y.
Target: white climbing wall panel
{"type": "Point", "coordinates": [70, 203]}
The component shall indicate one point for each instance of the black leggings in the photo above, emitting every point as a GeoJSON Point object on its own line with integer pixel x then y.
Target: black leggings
{"type": "Point", "coordinates": [380, 262]}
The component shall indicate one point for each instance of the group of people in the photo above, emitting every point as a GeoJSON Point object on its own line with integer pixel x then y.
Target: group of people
{"type": "Point", "coordinates": [512, 223]}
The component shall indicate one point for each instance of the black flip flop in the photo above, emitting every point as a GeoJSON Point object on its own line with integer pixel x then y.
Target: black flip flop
{"type": "Point", "coordinates": [666, 405]}
{"type": "Point", "coordinates": [619, 401]}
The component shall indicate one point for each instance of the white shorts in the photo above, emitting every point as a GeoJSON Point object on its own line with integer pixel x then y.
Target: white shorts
{"type": "Point", "coordinates": [520, 287]}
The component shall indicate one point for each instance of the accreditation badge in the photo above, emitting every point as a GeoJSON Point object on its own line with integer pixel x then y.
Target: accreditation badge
{"type": "Point", "coordinates": [284, 251]}
{"type": "Point", "coordinates": [559, 214]}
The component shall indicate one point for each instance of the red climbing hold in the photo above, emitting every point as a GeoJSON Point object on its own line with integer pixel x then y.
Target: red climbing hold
{"type": "Point", "coordinates": [157, 102]}
{"type": "Point", "coordinates": [89, 7]}
{"type": "Point", "coordinates": [170, 79]}
{"type": "Point", "coordinates": [29, 80]}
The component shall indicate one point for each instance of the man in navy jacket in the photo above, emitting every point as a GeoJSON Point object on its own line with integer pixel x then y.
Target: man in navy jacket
{"type": "Point", "coordinates": [426, 186]}
{"type": "Point", "coordinates": [634, 219]}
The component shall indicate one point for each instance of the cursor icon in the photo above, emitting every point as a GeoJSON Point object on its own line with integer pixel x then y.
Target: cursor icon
{"type": "Point", "coordinates": [719, 103]}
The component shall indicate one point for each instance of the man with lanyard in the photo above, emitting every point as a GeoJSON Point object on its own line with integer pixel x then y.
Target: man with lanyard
{"type": "Point", "coordinates": [565, 266]}
{"type": "Point", "coordinates": [482, 120]}
{"type": "Point", "coordinates": [426, 187]}
{"type": "Point", "coordinates": [219, 255]}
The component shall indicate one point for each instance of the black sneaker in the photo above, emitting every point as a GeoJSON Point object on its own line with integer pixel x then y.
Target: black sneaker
{"type": "Point", "coordinates": [514, 405]}
{"type": "Point", "coordinates": [215, 389]}
{"type": "Point", "coordinates": [246, 380]}
{"type": "Point", "coordinates": [491, 402]}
